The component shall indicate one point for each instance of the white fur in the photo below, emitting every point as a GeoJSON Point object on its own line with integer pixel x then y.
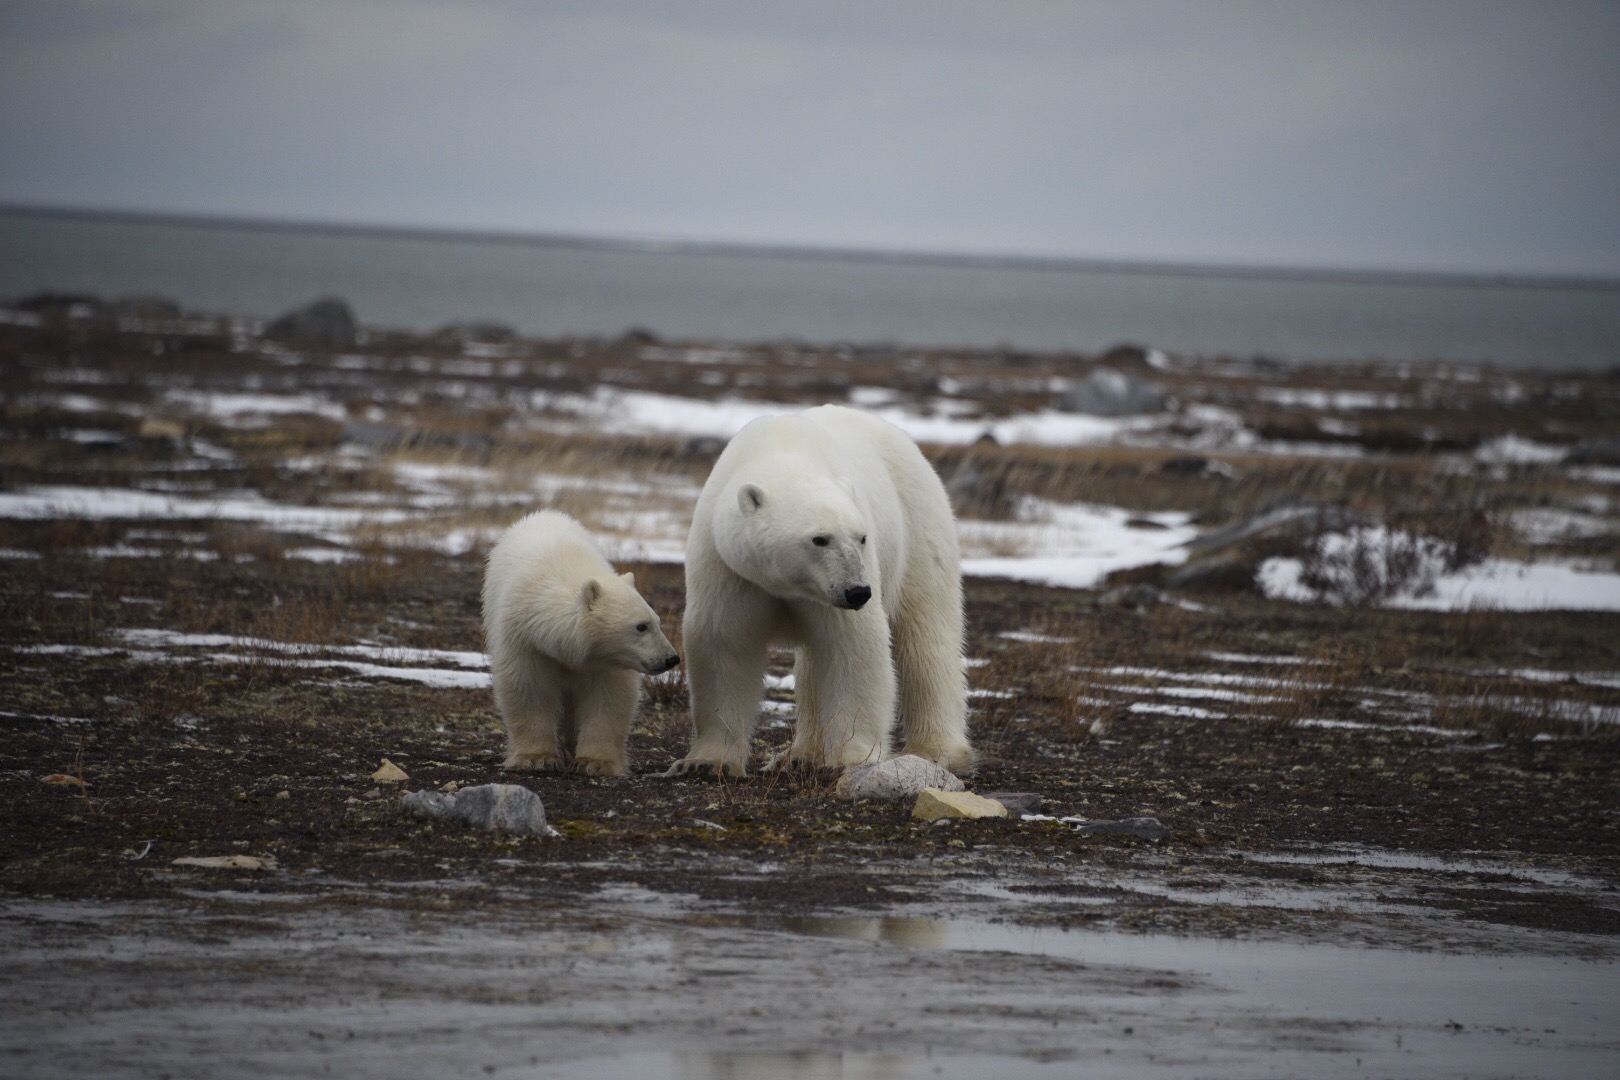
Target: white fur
{"type": "Point", "coordinates": [755, 577]}
{"type": "Point", "coordinates": [564, 649]}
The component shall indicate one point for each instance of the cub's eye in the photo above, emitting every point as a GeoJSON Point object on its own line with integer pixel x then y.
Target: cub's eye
{"type": "Point", "coordinates": [821, 541]}
{"type": "Point", "coordinates": [641, 627]}
{"type": "Point", "coordinates": [863, 541]}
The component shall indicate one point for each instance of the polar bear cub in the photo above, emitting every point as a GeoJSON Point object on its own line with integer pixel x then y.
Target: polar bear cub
{"type": "Point", "coordinates": [568, 642]}
{"type": "Point", "coordinates": [829, 531]}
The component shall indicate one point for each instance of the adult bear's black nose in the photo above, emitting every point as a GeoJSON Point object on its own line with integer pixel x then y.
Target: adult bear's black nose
{"type": "Point", "coordinates": [857, 595]}
{"type": "Point", "coordinates": [670, 661]}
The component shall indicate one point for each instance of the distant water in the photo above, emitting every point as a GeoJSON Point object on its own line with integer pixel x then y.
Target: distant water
{"type": "Point", "coordinates": [554, 288]}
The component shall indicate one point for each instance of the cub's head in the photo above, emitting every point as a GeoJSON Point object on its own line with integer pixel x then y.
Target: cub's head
{"type": "Point", "coordinates": [798, 542]}
{"type": "Point", "coordinates": [620, 629]}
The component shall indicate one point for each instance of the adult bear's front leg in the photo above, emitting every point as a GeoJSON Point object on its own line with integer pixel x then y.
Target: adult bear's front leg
{"type": "Point", "coordinates": [725, 671]}
{"type": "Point", "coordinates": [845, 688]}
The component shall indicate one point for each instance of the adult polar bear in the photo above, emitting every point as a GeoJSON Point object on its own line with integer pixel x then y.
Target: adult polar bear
{"type": "Point", "coordinates": [804, 519]}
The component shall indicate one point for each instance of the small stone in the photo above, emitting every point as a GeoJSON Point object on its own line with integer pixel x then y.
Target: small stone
{"type": "Point", "coordinates": [228, 862]}
{"type": "Point", "coordinates": [934, 803]}
{"type": "Point", "coordinates": [283, 794]}
{"type": "Point", "coordinates": [351, 801]}
{"type": "Point", "coordinates": [897, 778]}
{"type": "Point", "coordinates": [450, 787]}
{"type": "Point", "coordinates": [1017, 802]}
{"type": "Point", "coordinates": [374, 793]}
{"type": "Point", "coordinates": [57, 779]}
{"type": "Point", "coordinates": [389, 773]}
{"type": "Point", "coordinates": [509, 808]}
{"type": "Point", "coordinates": [1145, 828]}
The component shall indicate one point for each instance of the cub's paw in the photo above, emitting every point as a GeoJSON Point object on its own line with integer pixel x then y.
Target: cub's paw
{"type": "Point", "coordinates": [704, 767]}
{"type": "Point", "coordinates": [542, 761]}
{"type": "Point", "coordinates": [595, 766]}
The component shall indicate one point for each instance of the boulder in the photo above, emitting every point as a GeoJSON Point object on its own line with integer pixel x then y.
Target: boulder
{"type": "Point", "coordinates": [934, 803]}
{"type": "Point", "coordinates": [328, 321]}
{"type": "Point", "coordinates": [146, 307]}
{"type": "Point", "coordinates": [1111, 392]}
{"type": "Point", "coordinates": [1284, 515]}
{"type": "Point", "coordinates": [897, 778]}
{"type": "Point", "coordinates": [509, 808]}
{"type": "Point", "coordinates": [481, 331]}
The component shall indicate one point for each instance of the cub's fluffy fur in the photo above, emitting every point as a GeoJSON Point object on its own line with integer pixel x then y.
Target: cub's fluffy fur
{"type": "Point", "coordinates": [568, 642]}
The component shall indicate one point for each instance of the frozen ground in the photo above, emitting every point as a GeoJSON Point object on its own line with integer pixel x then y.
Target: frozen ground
{"type": "Point", "coordinates": [238, 574]}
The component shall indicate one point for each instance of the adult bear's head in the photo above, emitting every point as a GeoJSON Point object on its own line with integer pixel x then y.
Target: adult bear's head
{"type": "Point", "coordinates": [804, 540]}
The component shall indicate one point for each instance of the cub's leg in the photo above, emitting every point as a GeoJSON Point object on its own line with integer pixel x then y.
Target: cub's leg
{"type": "Point", "coordinates": [530, 694]}
{"type": "Point", "coordinates": [604, 706]}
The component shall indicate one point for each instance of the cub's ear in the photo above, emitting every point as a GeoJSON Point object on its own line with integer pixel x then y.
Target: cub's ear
{"type": "Point", "coordinates": [628, 578]}
{"type": "Point", "coordinates": [590, 594]}
{"type": "Point", "coordinates": [750, 497]}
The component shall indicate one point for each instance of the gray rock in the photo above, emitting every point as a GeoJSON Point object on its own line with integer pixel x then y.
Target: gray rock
{"type": "Point", "coordinates": [1283, 515]}
{"type": "Point", "coordinates": [897, 778]}
{"type": "Point", "coordinates": [327, 321]}
{"type": "Point", "coordinates": [1132, 598]}
{"type": "Point", "coordinates": [508, 808]}
{"type": "Point", "coordinates": [1599, 450]}
{"type": "Point", "coordinates": [1220, 574]}
{"type": "Point", "coordinates": [1017, 802]}
{"type": "Point", "coordinates": [1145, 828]}
{"type": "Point", "coordinates": [1109, 392]}
{"type": "Point", "coordinates": [705, 445]}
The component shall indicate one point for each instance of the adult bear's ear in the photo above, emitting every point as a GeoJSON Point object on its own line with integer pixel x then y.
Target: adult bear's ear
{"type": "Point", "coordinates": [750, 497]}
{"type": "Point", "coordinates": [628, 578]}
{"type": "Point", "coordinates": [590, 594]}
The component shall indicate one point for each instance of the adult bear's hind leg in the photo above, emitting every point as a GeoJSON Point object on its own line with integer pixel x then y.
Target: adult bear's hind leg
{"type": "Point", "coordinates": [928, 663]}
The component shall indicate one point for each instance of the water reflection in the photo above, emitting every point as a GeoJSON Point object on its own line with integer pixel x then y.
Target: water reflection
{"type": "Point", "coordinates": [799, 1065]}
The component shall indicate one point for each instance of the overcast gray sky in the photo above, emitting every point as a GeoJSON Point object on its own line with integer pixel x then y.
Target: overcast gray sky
{"type": "Point", "coordinates": [1467, 135]}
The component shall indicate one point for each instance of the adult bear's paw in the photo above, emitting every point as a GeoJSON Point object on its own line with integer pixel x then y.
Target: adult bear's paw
{"type": "Point", "coordinates": [693, 766]}
{"type": "Point", "coordinates": [544, 761]}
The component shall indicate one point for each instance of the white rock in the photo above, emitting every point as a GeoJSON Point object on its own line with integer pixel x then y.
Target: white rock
{"type": "Point", "coordinates": [509, 808]}
{"type": "Point", "coordinates": [895, 779]}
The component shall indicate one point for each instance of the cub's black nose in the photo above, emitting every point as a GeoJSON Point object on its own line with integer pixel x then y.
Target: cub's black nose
{"type": "Point", "coordinates": [670, 661]}
{"type": "Point", "coordinates": [857, 596]}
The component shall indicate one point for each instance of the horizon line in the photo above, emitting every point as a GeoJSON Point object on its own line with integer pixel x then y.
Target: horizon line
{"type": "Point", "coordinates": [659, 246]}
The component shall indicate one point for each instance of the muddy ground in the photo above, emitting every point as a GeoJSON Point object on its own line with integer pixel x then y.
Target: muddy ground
{"type": "Point", "coordinates": [1384, 779]}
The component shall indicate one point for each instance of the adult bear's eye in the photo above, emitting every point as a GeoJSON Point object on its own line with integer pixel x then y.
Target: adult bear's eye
{"type": "Point", "coordinates": [863, 541]}
{"type": "Point", "coordinates": [821, 541]}
{"type": "Point", "coordinates": [641, 627]}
